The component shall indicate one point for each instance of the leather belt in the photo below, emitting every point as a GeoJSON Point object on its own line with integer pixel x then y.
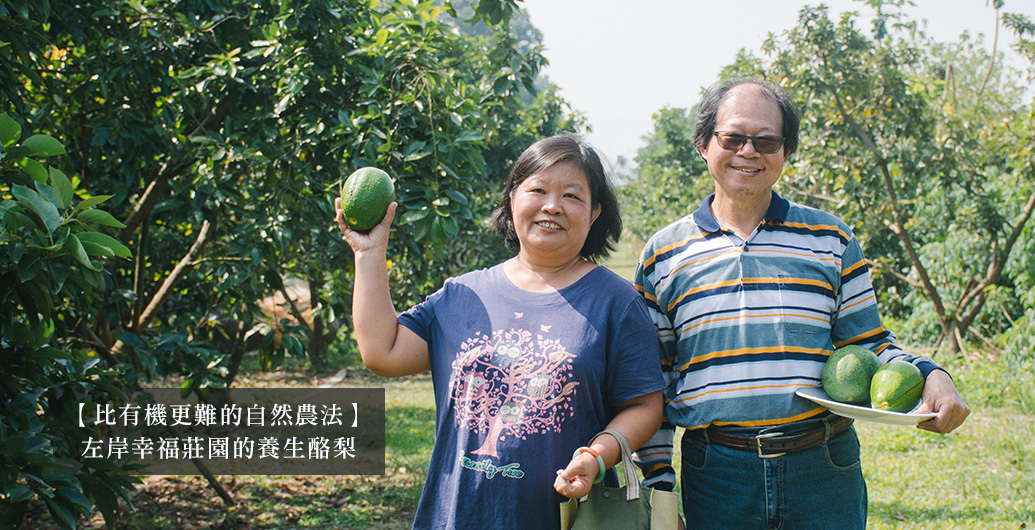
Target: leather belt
{"type": "Point", "coordinates": [774, 444]}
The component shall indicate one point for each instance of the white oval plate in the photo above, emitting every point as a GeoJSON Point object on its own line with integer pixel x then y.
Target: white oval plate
{"type": "Point", "coordinates": [862, 412]}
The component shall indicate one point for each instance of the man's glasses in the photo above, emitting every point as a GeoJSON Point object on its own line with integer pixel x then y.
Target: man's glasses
{"type": "Point", "coordinates": [766, 144]}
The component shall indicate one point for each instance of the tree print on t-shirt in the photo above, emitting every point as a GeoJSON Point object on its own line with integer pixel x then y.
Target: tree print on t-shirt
{"type": "Point", "coordinates": [512, 384]}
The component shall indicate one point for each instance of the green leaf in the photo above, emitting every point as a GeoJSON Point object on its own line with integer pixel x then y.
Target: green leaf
{"type": "Point", "coordinates": [92, 201]}
{"type": "Point", "coordinates": [37, 171]}
{"type": "Point", "coordinates": [38, 303]}
{"type": "Point", "coordinates": [292, 346]}
{"type": "Point", "coordinates": [106, 241]}
{"type": "Point", "coordinates": [44, 145]}
{"type": "Point", "coordinates": [10, 131]}
{"type": "Point", "coordinates": [382, 37]}
{"type": "Point", "coordinates": [52, 243]}
{"type": "Point", "coordinates": [58, 276]}
{"type": "Point", "coordinates": [75, 497]}
{"type": "Point", "coordinates": [451, 227]}
{"type": "Point", "coordinates": [50, 194]}
{"type": "Point", "coordinates": [422, 230]}
{"type": "Point", "coordinates": [20, 493]}
{"type": "Point", "coordinates": [457, 196]}
{"type": "Point", "coordinates": [97, 251]}
{"type": "Point", "coordinates": [16, 153]}
{"type": "Point", "coordinates": [75, 247]}
{"type": "Point", "coordinates": [132, 340]}
{"type": "Point", "coordinates": [100, 217]}
{"type": "Point", "coordinates": [470, 136]}
{"type": "Point", "coordinates": [501, 86]}
{"type": "Point", "coordinates": [438, 234]}
{"type": "Point", "coordinates": [32, 200]}
{"type": "Point", "coordinates": [15, 220]}
{"type": "Point", "coordinates": [415, 151]}
{"type": "Point", "coordinates": [61, 515]}
{"type": "Point", "coordinates": [63, 185]}
{"type": "Point", "coordinates": [415, 215]}
{"type": "Point", "coordinates": [28, 268]}
{"type": "Point", "coordinates": [51, 354]}
{"type": "Point", "coordinates": [43, 332]}
{"type": "Point", "coordinates": [16, 251]}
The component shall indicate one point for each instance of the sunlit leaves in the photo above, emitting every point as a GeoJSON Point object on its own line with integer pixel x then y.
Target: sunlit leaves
{"type": "Point", "coordinates": [10, 131]}
{"type": "Point", "coordinates": [43, 145]}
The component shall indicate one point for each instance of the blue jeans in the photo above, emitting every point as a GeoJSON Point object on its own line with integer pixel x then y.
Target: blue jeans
{"type": "Point", "coordinates": [819, 488]}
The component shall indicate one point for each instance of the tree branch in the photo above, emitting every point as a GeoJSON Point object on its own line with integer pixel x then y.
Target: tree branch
{"type": "Point", "coordinates": [163, 292]}
{"type": "Point", "coordinates": [156, 189]}
{"type": "Point", "coordinates": [896, 226]}
{"type": "Point", "coordinates": [878, 266]}
{"type": "Point", "coordinates": [975, 299]}
{"type": "Point", "coordinates": [991, 64]}
{"type": "Point", "coordinates": [293, 307]}
{"type": "Point", "coordinates": [102, 347]}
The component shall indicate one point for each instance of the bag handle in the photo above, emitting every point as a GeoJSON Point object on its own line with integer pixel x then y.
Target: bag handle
{"type": "Point", "coordinates": [632, 480]}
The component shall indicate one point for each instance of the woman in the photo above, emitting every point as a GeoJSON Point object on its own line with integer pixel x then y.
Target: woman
{"type": "Point", "coordinates": [529, 358]}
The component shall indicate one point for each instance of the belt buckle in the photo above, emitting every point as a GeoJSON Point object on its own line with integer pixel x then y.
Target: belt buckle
{"type": "Point", "coordinates": [758, 441]}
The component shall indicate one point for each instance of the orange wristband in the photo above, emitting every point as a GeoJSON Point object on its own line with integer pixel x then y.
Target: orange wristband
{"type": "Point", "coordinates": [594, 454]}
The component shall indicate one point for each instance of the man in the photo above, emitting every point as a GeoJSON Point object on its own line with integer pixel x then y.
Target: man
{"type": "Point", "coordinates": [750, 295]}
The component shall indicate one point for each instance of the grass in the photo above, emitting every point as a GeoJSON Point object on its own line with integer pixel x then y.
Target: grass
{"type": "Point", "coordinates": [625, 257]}
{"type": "Point", "coordinates": [981, 477]}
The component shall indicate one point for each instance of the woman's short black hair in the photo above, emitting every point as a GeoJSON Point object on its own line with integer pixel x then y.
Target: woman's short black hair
{"type": "Point", "coordinates": [605, 231]}
{"type": "Point", "coordinates": [716, 95]}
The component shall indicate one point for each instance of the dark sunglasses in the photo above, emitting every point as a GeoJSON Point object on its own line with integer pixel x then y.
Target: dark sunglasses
{"type": "Point", "coordinates": [766, 144]}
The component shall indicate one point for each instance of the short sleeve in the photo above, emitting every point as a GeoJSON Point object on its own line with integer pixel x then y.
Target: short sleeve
{"type": "Point", "coordinates": [633, 369]}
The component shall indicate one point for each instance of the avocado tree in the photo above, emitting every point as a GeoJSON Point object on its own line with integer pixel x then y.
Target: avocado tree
{"type": "Point", "coordinates": [223, 132]}
{"type": "Point", "coordinates": [922, 151]}
{"type": "Point", "coordinates": [671, 180]}
{"type": "Point", "coordinates": [219, 133]}
{"type": "Point", "coordinates": [54, 245]}
{"type": "Point", "coordinates": [923, 147]}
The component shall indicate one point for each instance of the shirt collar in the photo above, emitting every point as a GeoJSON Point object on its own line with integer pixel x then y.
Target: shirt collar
{"type": "Point", "coordinates": [777, 212]}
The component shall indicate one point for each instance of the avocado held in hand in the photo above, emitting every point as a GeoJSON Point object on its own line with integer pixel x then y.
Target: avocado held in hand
{"type": "Point", "coordinates": [365, 196]}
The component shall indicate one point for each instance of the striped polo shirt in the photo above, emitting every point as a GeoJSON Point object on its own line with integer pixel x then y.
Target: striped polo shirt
{"type": "Point", "coordinates": [745, 323]}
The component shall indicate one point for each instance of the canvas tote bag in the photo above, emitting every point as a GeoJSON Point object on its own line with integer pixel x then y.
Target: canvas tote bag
{"type": "Point", "coordinates": [632, 506]}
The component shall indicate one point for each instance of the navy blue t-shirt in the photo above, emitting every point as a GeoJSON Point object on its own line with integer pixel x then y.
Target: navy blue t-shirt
{"type": "Point", "coordinates": [521, 380]}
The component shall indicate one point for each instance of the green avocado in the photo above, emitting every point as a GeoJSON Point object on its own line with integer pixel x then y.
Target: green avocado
{"type": "Point", "coordinates": [365, 196]}
{"type": "Point", "coordinates": [847, 374]}
{"type": "Point", "coordinates": [897, 386]}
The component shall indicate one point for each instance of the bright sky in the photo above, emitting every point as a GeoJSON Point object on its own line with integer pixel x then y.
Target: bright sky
{"type": "Point", "coordinates": [619, 61]}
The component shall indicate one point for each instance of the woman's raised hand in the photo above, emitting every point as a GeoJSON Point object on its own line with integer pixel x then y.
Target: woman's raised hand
{"type": "Point", "coordinates": [376, 238]}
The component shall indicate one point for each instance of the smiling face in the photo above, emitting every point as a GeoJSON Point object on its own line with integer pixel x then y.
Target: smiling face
{"type": "Point", "coordinates": [745, 173]}
{"type": "Point", "coordinates": [553, 212]}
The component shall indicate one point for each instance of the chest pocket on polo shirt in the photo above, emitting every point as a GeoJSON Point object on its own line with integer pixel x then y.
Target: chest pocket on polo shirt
{"type": "Point", "coordinates": [806, 304]}
{"type": "Point", "coordinates": [806, 298]}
